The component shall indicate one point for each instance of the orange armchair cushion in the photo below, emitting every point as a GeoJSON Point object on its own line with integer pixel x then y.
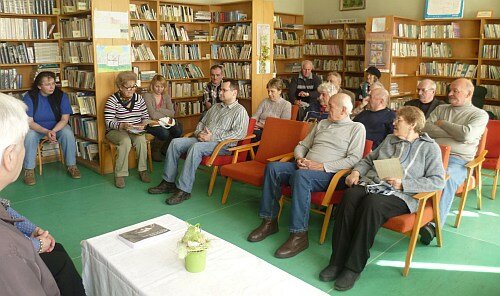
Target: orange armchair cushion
{"type": "Point", "coordinates": [404, 223]}
{"type": "Point", "coordinates": [491, 163]}
{"type": "Point", "coordinates": [251, 172]}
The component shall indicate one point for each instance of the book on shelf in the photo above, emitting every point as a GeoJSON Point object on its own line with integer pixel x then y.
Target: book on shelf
{"type": "Point", "coordinates": [143, 235]}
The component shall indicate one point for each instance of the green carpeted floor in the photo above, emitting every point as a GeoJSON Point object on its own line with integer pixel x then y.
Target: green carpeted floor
{"type": "Point", "coordinates": [74, 210]}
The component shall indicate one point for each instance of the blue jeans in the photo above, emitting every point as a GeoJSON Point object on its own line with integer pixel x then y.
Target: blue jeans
{"type": "Point", "coordinates": [457, 172]}
{"type": "Point", "coordinates": [195, 151]}
{"type": "Point", "coordinates": [66, 140]}
{"type": "Point", "coordinates": [302, 182]}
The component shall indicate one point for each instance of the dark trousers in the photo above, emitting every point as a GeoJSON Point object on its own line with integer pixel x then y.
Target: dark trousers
{"type": "Point", "coordinates": [64, 272]}
{"type": "Point", "coordinates": [358, 219]}
{"type": "Point", "coordinates": [164, 134]}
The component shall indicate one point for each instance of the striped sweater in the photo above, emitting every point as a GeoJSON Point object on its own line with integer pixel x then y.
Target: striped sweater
{"type": "Point", "coordinates": [116, 112]}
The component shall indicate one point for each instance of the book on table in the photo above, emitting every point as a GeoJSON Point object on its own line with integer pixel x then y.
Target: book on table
{"type": "Point", "coordinates": [143, 235]}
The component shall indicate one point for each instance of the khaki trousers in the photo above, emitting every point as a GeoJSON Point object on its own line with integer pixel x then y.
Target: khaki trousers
{"type": "Point", "coordinates": [124, 141]}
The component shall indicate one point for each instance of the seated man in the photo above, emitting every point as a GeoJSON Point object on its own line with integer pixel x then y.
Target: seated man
{"type": "Point", "coordinates": [334, 144]}
{"type": "Point", "coordinates": [326, 91]}
{"type": "Point", "coordinates": [226, 120]}
{"type": "Point", "coordinates": [336, 79]}
{"type": "Point", "coordinates": [378, 119]}
{"type": "Point", "coordinates": [426, 100]}
{"type": "Point", "coordinates": [302, 90]}
{"type": "Point", "coordinates": [459, 125]}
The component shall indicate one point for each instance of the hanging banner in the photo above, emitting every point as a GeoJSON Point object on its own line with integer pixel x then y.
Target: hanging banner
{"type": "Point", "coordinates": [263, 48]}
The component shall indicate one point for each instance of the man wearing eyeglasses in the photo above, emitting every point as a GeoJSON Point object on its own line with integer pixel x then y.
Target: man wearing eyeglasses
{"type": "Point", "coordinates": [459, 125]}
{"type": "Point", "coordinates": [426, 100]}
{"type": "Point", "coordinates": [225, 120]}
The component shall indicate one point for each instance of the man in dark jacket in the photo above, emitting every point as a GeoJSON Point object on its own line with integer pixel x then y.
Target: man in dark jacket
{"type": "Point", "coordinates": [426, 100]}
{"type": "Point", "coordinates": [303, 89]}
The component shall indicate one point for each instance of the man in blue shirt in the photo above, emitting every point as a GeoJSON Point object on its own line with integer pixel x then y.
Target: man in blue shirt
{"type": "Point", "coordinates": [48, 115]}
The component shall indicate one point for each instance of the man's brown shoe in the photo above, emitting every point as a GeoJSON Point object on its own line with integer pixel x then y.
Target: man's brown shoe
{"type": "Point", "coordinates": [163, 187]}
{"type": "Point", "coordinates": [29, 177]}
{"type": "Point", "coordinates": [143, 175]}
{"type": "Point", "coordinates": [74, 172]}
{"type": "Point", "coordinates": [296, 243]}
{"type": "Point", "coordinates": [120, 182]}
{"type": "Point", "coordinates": [266, 228]}
{"type": "Point", "coordinates": [178, 197]}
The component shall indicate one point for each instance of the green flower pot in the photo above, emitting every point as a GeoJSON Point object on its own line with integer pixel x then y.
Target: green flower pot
{"type": "Point", "coordinates": [196, 261]}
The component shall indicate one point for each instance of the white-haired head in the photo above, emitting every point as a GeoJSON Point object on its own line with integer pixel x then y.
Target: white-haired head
{"type": "Point", "coordinates": [343, 100]}
{"type": "Point", "coordinates": [13, 122]}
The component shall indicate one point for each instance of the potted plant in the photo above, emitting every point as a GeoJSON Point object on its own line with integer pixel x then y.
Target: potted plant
{"type": "Point", "coordinates": [193, 247]}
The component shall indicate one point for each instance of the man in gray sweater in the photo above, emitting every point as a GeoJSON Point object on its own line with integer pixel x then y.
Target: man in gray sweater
{"type": "Point", "coordinates": [333, 144]}
{"type": "Point", "coordinates": [459, 125]}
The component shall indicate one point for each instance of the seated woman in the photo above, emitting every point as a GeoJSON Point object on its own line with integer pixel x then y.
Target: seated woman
{"type": "Point", "coordinates": [326, 91]}
{"type": "Point", "coordinates": [274, 106]}
{"type": "Point", "coordinates": [372, 75]}
{"type": "Point", "coordinates": [48, 112]}
{"type": "Point", "coordinates": [125, 115]}
{"type": "Point", "coordinates": [159, 105]}
{"type": "Point", "coordinates": [371, 201]}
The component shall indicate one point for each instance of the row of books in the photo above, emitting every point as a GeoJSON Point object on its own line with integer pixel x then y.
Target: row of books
{"type": "Point", "coordinates": [354, 66]}
{"type": "Point", "coordinates": [142, 52]}
{"type": "Point", "coordinates": [16, 53]}
{"type": "Point", "coordinates": [328, 65]}
{"type": "Point", "coordinates": [180, 52]}
{"type": "Point", "coordinates": [490, 72]}
{"type": "Point", "coordinates": [10, 79]}
{"type": "Point", "coordinates": [231, 52]}
{"type": "Point", "coordinates": [324, 34]}
{"type": "Point", "coordinates": [492, 30]}
{"type": "Point", "coordinates": [407, 30]}
{"type": "Point", "coordinates": [493, 109]}
{"type": "Point", "coordinates": [396, 103]}
{"type": "Point", "coordinates": [491, 51]}
{"type": "Point", "coordinates": [244, 90]}
{"type": "Point", "coordinates": [228, 16]}
{"type": "Point", "coordinates": [24, 28]}
{"type": "Point", "coordinates": [84, 127]}
{"type": "Point", "coordinates": [436, 50]}
{"type": "Point", "coordinates": [82, 103]}
{"type": "Point", "coordinates": [87, 150]}
{"type": "Point", "coordinates": [141, 32]}
{"type": "Point", "coordinates": [176, 13]}
{"type": "Point", "coordinates": [145, 12]}
{"type": "Point", "coordinates": [404, 49]}
{"type": "Point", "coordinates": [393, 89]}
{"type": "Point", "coordinates": [47, 52]}
{"type": "Point", "coordinates": [187, 108]}
{"type": "Point", "coordinates": [237, 70]}
{"type": "Point", "coordinates": [27, 6]}
{"type": "Point", "coordinates": [146, 75]}
{"type": "Point", "coordinates": [171, 32]}
{"type": "Point", "coordinates": [292, 67]}
{"type": "Point", "coordinates": [75, 52]}
{"type": "Point", "coordinates": [287, 52]}
{"type": "Point", "coordinates": [76, 27]}
{"type": "Point", "coordinates": [287, 37]}
{"type": "Point", "coordinates": [440, 31]}
{"type": "Point", "coordinates": [354, 49]}
{"type": "Point", "coordinates": [75, 5]}
{"type": "Point", "coordinates": [232, 33]}
{"type": "Point", "coordinates": [357, 33]}
{"type": "Point", "coordinates": [78, 78]}
{"type": "Point", "coordinates": [352, 81]}
{"type": "Point", "coordinates": [181, 71]}
{"type": "Point", "coordinates": [448, 69]}
{"type": "Point", "coordinates": [322, 49]}
{"type": "Point", "coordinates": [186, 89]}
{"type": "Point", "coordinates": [493, 91]}
{"type": "Point", "coordinates": [441, 87]}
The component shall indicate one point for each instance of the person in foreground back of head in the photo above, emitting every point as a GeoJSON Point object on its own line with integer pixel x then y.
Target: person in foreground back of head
{"type": "Point", "coordinates": [22, 270]}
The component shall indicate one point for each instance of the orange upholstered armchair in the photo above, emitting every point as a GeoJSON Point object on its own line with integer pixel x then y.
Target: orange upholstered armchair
{"type": "Point", "coordinates": [280, 136]}
{"type": "Point", "coordinates": [295, 112]}
{"type": "Point", "coordinates": [492, 161]}
{"type": "Point", "coordinates": [324, 200]}
{"type": "Point", "coordinates": [215, 160]}
{"type": "Point", "coordinates": [428, 210]}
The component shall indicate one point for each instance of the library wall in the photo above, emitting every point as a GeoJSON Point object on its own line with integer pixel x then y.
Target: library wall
{"type": "Point", "coordinates": [322, 11]}
{"type": "Point", "coordinates": [283, 6]}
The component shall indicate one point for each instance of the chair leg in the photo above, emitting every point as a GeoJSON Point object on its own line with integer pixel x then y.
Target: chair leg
{"type": "Point", "coordinates": [461, 207]}
{"type": "Point", "coordinates": [495, 183]}
{"type": "Point", "coordinates": [39, 158]}
{"type": "Point", "coordinates": [150, 157]}
{"type": "Point", "coordinates": [61, 154]}
{"type": "Point", "coordinates": [225, 195]}
{"type": "Point", "coordinates": [215, 169]}
{"type": "Point", "coordinates": [326, 222]}
{"type": "Point", "coordinates": [414, 236]}
{"type": "Point", "coordinates": [437, 218]}
{"type": "Point", "coordinates": [479, 190]}
{"type": "Point", "coordinates": [281, 202]}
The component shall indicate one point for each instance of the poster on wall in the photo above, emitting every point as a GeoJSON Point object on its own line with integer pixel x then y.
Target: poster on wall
{"type": "Point", "coordinates": [113, 58]}
{"type": "Point", "coordinates": [438, 9]}
{"type": "Point", "coordinates": [111, 24]}
{"type": "Point", "coordinates": [378, 51]}
{"type": "Point", "coordinates": [263, 48]}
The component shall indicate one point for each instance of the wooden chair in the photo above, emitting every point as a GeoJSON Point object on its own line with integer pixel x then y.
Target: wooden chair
{"type": "Point", "coordinates": [473, 179]}
{"type": "Point", "coordinates": [325, 200]}
{"type": "Point", "coordinates": [492, 160]}
{"type": "Point", "coordinates": [112, 150]}
{"type": "Point", "coordinates": [428, 210]}
{"type": "Point", "coordinates": [279, 137]}
{"type": "Point", "coordinates": [295, 112]}
{"type": "Point", "coordinates": [216, 161]}
{"type": "Point", "coordinates": [39, 154]}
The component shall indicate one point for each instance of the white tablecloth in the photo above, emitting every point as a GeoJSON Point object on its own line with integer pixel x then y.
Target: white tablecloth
{"type": "Point", "coordinates": [112, 268]}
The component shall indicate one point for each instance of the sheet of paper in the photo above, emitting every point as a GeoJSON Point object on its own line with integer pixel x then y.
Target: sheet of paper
{"type": "Point", "coordinates": [389, 168]}
{"type": "Point", "coordinates": [378, 24]}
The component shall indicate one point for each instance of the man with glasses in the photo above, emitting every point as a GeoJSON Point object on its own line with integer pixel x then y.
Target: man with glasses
{"type": "Point", "coordinates": [303, 88]}
{"type": "Point", "coordinates": [426, 100]}
{"type": "Point", "coordinates": [225, 120]}
{"type": "Point", "coordinates": [459, 125]}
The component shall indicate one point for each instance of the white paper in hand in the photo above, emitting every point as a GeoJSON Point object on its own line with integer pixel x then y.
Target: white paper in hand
{"type": "Point", "coordinates": [389, 168]}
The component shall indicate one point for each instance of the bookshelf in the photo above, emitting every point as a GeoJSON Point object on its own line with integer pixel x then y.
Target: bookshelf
{"type": "Point", "coordinates": [489, 60]}
{"type": "Point", "coordinates": [337, 47]}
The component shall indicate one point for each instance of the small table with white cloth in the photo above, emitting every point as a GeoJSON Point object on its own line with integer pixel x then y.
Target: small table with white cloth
{"type": "Point", "coordinates": [110, 267]}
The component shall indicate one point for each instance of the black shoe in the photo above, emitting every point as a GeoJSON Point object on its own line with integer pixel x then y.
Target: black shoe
{"type": "Point", "coordinates": [427, 234]}
{"type": "Point", "coordinates": [346, 280]}
{"type": "Point", "coordinates": [178, 197]}
{"type": "Point", "coordinates": [163, 187]}
{"type": "Point", "coordinates": [330, 273]}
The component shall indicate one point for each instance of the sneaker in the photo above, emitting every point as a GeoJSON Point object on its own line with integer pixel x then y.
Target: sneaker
{"type": "Point", "coordinates": [74, 172]}
{"type": "Point", "coordinates": [427, 233]}
{"type": "Point", "coordinates": [143, 175]}
{"type": "Point", "coordinates": [29, 177]}
{"type": "Point", "coordinates": [163, 187]}
{"type": "Point", "coordinates": [178, 197]}
{"type": "Point", "coordinates": [120, 182]}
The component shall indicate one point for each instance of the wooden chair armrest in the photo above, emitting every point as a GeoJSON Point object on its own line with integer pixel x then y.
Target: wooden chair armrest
{"type": "Point", "coordinates": [244, 147]}
{"type": "Point", "coordinates": [424, 195]}
{"type": "Point", "coordinates": [283, 157]}
{"type": "Point", "coordinates": [188, 135]}
{"type": "Point", "coordinates": [333, 184]}
{"type": "Point", "coordinates": [477, 161]}
{"type": "Point", "coordinates": [221, 145]}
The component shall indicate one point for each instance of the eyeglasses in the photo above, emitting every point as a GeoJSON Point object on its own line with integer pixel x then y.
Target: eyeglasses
{"type": "Point", "coordinates": [223, 90]}
{"type": "Point", "coordinates": [129, 87]}
{"type": "Point", "coordinates": [455, 91]}
{"type": "Point", "coordinates": [423, 89]}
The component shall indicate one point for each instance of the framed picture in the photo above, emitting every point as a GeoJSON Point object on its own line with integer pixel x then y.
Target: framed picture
{"type": "Point", "coordinates": [352, 4]}
{"type": "Point", "coordinates": [439, 9]}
